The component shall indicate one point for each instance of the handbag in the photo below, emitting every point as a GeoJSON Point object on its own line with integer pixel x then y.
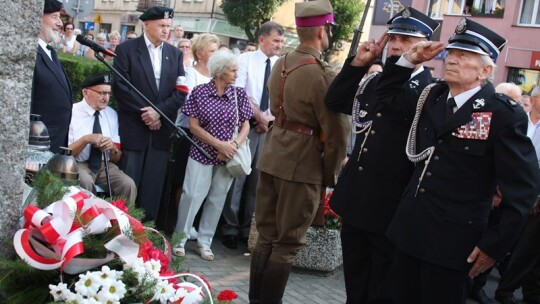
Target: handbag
{"type": "Point", "coordinates": [240, 163]}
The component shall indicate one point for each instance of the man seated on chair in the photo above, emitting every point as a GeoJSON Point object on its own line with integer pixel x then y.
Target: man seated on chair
{"type": "Point", "coordinates": [93, 136]}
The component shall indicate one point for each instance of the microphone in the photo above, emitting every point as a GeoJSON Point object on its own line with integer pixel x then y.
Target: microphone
{"type": "Point", "coordinates": [94, 46]}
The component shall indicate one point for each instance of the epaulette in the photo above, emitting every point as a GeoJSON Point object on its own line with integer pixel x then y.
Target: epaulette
{"type": "Point", "coordinates": [506, 100]}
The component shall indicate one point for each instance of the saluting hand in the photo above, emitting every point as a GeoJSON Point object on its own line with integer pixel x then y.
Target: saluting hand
{"type": "Point", "coordinates": [481, 261]}
{"type": "Point", "coordinates": [368, 51]}
{"type": "Point", "coordinates": [423, 51]}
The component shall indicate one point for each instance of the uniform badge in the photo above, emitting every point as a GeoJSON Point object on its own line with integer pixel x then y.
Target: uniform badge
{"type": "Point", "coordinates": [477, 128]}
{"type": "Point", "coordinates": [413, 83]}
{"type": "Point", "coordinates": [406, 13]}
{"type": "Point", "coordinates": [462, 26]}
{"type": "Point", "coordinates": [106, 78]}
{"type": "Point", "coordinates": [479, 103]}
{"type": "Point", "coordinates": [362, 113]}
{"type": "Point", "coordinates": [512, 102]}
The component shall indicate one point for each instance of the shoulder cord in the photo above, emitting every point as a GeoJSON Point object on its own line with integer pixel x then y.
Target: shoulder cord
{"type": "Point", "coordinates": [410, 148]}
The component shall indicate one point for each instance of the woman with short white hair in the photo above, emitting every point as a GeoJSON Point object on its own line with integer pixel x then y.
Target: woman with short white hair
{"type": "Point", "coordinates": [215, 110]}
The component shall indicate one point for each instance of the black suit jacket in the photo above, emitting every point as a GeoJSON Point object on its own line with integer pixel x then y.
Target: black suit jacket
{"type": "Point", "coordinates": [370, 187]}
{"type": "Point", "coordinates": [447, 217]}
{"type": "Point", "coordinates": [133, 62]}
{"type": "Point", "coordinates": [52, 99]}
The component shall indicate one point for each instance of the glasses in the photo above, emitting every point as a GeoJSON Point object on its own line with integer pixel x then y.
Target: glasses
{"type": "Point", "coordinates": [102, 94]}
{"type": "Point", "coordinates": [69, 29]}
{"type": "Point", "coordinates": [184, 47]}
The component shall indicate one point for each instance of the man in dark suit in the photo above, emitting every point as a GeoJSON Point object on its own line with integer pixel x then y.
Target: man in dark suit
{"type": "Point", "coordinates": [371, 184]}
{"type": "Point", "coordinates": [51, 90]}
{"type": "Point", "coordinates": [152, 66]}
{"type": "Point", "coordinates": [465, 141]}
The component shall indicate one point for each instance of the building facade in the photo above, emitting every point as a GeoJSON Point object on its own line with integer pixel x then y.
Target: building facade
{"type": "Point", "coordinates": [518, 21]}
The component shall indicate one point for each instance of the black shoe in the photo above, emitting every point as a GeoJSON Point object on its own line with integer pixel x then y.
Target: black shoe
{"type": "Point", "coordinates": [480, 296]}
{"type": "Point", "coordinates": [230, 241]}
{"type": "Point", "coordinates": [506, 299]}
{"type": "Point", "coordinates": [531, 300]}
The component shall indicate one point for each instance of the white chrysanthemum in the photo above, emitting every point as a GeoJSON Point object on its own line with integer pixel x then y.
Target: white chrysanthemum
{"type": "Point", "coordinates": [91, 301]}
{"type": "Point", "coordinates": [58, 291]}
{"type": "Point", "coordinates": [138, 267]}
{"type": "Point", "coordinates": [107, 274]}
{"type": "Point", "coordinates": [164, 291]}
{"type": "Point", "coordinates": [153, 266]}
{"type": "Point", "coordinates": [179, 294]}
{"type": "Point", "coordinates": [73, 298]}
{"type": "Point", "coordinates": [113, 290]}
{"type": "Point", "coordinates": [88, 284]}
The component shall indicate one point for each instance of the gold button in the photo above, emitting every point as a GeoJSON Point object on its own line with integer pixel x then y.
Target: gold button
{"type": "Point", "coordinates": [466, 148]}
{"type": "Point", "coordinates": [422, 190]}
{"type": "Point", "coordinates": [360, 168]}
{"type": "Point", "coordinates": [428, 174]}
{"type": "Point", "coordinates": [379, 114]}
{"type": "Point", "coordinates": [440, 141]}
{"type": "Point", "coordinates": [372, 132]}
{"type": "Point", "coordinates": [365, 150]}
{"type": "Point", "coordinates": [435, 157]}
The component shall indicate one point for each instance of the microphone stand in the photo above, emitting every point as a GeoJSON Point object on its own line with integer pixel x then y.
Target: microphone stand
{"type": "Point", "coordinates": [178, 133]}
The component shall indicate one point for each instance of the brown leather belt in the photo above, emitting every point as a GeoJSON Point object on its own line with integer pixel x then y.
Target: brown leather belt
{"type": "Point", "coordinates": [297, 127]}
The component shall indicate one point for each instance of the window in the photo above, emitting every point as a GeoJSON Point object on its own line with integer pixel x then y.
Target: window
{"type": "Point", "coordinates": [439, 8]}
{"type": "Point", "coordinates": [530, 12]}
{"type": "Point", "coordinates": [526, 79]}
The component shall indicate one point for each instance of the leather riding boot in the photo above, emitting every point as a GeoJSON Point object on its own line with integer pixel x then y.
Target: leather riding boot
{"type": "Point", "coordinates": [258, 264]}
{"type": "Point", "coordinates": [274, 281]}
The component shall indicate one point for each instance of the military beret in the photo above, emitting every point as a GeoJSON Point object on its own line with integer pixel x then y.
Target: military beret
{"type": "Point", "coordinates": [474, 37]}
{"type": "Point", "coordinates": [157, 12]}
{"type": "Point", "coordinates": [314, 13]}
{"type": "Point", "coordinates": [96, 79]}
{"type": "Point", "coordinates": [52, 6]}
{"type": "Point", "coordinates": [410, 22]}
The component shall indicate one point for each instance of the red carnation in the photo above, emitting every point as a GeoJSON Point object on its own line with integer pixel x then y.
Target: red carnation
{"type": "Point", "coordinates": [227, 295]}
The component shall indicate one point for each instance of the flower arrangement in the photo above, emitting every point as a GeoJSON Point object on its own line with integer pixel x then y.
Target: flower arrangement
{"type": "Point", "coordinates": [331, 219]}
{"type": "Point", "coordinates": [82, 249]}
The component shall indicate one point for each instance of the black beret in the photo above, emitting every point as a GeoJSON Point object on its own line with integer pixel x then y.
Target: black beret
{"type": "Point", "coordinates": [157, 12]}
{"type": "Point", "coordinates": [52, 6]}
{"type": "Point", "coordinates": [96, 79]}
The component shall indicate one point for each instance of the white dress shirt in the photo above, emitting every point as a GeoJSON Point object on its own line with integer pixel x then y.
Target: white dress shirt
{"type": "Point", "coordinates": [43, 45]}
{"type": "Point", "coordinates": [155, 57]}
{"type": "Point", "coordinates": [193, 79]}
{"type": "Point", "coordinates": [82, 123]}
{"type": "Point", "coordinates": [251, 66]}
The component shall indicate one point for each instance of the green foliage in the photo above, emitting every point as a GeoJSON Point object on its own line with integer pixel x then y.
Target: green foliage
{"type": "Point", "coordinates": [78, 68]}
{"type": "Point", "coordinates": [25, 284]}
{"type": "Point", "coordinates": [49, 187]}
{"type": "Point", "coordinates": [347, 14]}
{"type": "Point", "coordinates": [250, 14]}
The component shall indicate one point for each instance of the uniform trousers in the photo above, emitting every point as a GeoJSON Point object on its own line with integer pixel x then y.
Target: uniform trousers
{"type": "Point", "coordinates": [283, 212]}
{"type": "Point", "coordinates": [240, 222]}
{"type": "Point", "coordinates": [523, 268]}
{"type": "Point", "coordinates": [420, 282]}
{"type": "Point", "coordinates": [368, 266]}
{"type": "Point", "coordinates": [202, 181]}
{"type": "Point", "coordinates": [121, 184]}
{"type": "Point", "coordinates": [147, 168]}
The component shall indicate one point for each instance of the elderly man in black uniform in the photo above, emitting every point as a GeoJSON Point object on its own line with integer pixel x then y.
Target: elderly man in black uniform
{"type": "Point", "coordinates": [465, 141]}
{"type": "Point", "coordinates": [370, 186]}
{"type": "Point", "coordinates": [152, 66]}
{"type": "Point", "coordinates": [51, 90]}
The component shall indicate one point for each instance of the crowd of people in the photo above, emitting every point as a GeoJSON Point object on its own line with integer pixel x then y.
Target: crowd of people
{"type": "Point", "coordinates": [438, 179]}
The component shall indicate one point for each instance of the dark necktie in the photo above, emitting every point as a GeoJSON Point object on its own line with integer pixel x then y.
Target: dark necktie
{"type": "Point", "coordinates": [56, 63]}
{"type": "Point", "coordinates": [264, 98]}
{"type": "Point", "coordinates": [94, 161]}
{"type": "Point", "coordinates": [450, 105]}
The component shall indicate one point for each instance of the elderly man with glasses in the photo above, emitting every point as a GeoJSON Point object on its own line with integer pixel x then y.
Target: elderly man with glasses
{"type": "Point", "coordinates": [93, 136]}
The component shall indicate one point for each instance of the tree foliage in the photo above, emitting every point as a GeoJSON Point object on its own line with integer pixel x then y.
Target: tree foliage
{"type": "Point", "coordinates": [250, 14]}
{"type": "Point", "coordinates": [347, 14]}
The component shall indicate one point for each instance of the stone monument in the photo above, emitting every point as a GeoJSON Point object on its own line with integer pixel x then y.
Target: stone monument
{"type": "Point", "coordinates": [19, 28]}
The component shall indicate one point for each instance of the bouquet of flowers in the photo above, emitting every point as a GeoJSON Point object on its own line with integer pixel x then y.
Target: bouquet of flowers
{"type": "Point", "coordinates": [331, 219]}
{"type": "Point", "coordinates": [83, 249]}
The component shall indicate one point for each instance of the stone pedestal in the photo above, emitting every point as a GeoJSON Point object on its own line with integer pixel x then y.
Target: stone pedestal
{"type": "Point", "coordinates": [322, 251]}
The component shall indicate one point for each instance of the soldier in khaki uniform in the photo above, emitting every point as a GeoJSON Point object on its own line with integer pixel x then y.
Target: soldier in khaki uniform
{"type": "Point", "coordinates": [302, 153]}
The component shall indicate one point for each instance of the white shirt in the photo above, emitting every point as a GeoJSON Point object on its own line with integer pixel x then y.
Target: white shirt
{"type": "Point", "coordinates": [462, 98]}
{"type": "Point", "coordinates": [155, 57]}
{"type": "Point", "coordinates": [43, 45]}
{"type": "Point", "coordinates": [251, 66]}
{"type": "Point", "coordinates": [82, 123]}
{"type": "Point", "coordinates": [193, 79]}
